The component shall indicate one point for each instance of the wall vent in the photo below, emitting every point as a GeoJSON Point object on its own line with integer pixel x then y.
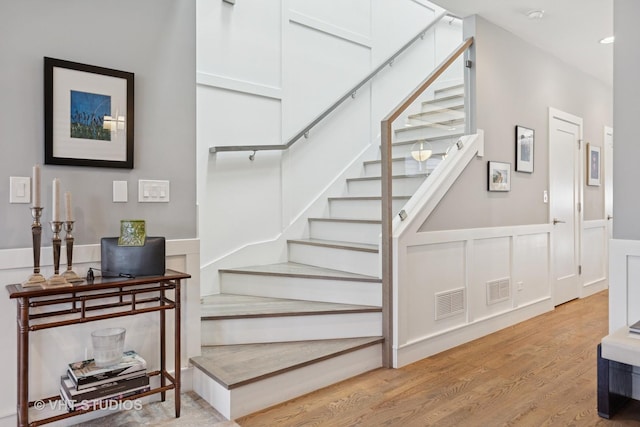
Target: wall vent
{"type": "Point", "coordinates": [450, 303]}
{"type": "Point", "coordinates": [498, 290]}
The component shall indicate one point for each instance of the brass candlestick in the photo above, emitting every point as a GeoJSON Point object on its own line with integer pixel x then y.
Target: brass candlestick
{"type": "Point", "coordinates": [70, 275]}
{"type": "Point", "coordinates": [56, 279]}
{"type": "Point", "coordinates": [36, 279]}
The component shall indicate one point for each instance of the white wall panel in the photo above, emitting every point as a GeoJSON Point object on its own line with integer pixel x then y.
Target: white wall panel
{"type": "Point", "coordinates": [530, 277]}
{"type": "Point", "coordinates": [491, 262]}
{"type": "Point", "coordinates": [241, 41]}
{"type": "Point", "coordinates": [352, 16]}
{"type": "Point", "coordinates": [312, 82]}
{"type": "Point", "coordinates": [430, 269]}
{"type": "Point", "coordinates": [594, 252]}
{"type": "Point", "coordinates": [234, 118]}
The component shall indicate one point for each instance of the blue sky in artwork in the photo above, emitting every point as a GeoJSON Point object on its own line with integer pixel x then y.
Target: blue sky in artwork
{"type": "Point", "coordinates": [89, 109]}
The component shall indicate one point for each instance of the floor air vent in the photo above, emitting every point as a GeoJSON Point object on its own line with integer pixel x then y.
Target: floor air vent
{"type": "Point", "coordinates": [498, 290]}
{"type": "Point", "coordinates": [449, 303]}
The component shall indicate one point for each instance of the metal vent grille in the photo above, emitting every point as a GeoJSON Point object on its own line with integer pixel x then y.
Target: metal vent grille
{"type": "Point", "coordinates": [450, 303]}
{"type": "Point", "coordinates": [498, 290]}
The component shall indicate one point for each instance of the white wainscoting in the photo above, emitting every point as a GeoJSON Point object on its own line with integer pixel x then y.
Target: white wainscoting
{"type": "Point", "coordinates": [517, 258]}
{"type": "Point", "coordinates": [52, 349]}
{"type": "Point", "coordinates": [624, 283]}
{"type": "Point", "coordinates": [595, 243]}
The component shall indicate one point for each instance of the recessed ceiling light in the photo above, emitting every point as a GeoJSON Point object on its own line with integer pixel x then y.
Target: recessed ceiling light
{"type": "Point", "coordinates": [607, 40]}
{"type": "Point", "coordinates": [535, 14]}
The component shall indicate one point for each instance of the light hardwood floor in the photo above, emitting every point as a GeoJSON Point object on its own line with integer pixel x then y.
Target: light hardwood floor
{"type": "Point", "coordinates": [541, 372]}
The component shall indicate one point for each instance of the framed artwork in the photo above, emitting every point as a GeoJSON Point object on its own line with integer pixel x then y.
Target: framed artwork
{"type": "Point", "coordinates": [593, 165]}
{"type": "Point", "coordinates": [88, 115]}
{"type": "Point", "coordinates": [499, 176]}
{"type": "Point", "coordinates": [524, 149]}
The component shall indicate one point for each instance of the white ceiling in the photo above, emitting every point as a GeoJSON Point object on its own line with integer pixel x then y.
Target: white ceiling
{"type": "Point", "coordinates": [570, 29]}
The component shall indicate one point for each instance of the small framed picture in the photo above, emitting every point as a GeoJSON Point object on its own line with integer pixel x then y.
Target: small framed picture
{"type": "Point", "coordinates": [524, 149]}
{"type": "Point", "coordinates": [88, 115]}
{"type": "Point", "coordinates": [593, 165]}
{"type": "Point", "coordinates": [499, 176]}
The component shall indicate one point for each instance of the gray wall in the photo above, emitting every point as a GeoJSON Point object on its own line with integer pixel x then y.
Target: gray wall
{"type": "Point", "coordinates": [155, 39]}
{"type": "Point", "coordinates": [626, 173]}
{"type": "Point", "coordinates": [516, 84]}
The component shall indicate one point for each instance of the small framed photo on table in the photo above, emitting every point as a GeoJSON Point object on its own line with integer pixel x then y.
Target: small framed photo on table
{"type": "Point", "coordinates": [524, 149]}
{"type": "Point", "coordinates": [88, 115]}
{"type": "Point", "coordinates": [499, 176]}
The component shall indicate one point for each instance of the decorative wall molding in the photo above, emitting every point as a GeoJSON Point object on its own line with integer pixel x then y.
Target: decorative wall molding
{"type": "Point", "coordinates": [235, 85]}
{"type": "Point", "coordinates": [329, 29]}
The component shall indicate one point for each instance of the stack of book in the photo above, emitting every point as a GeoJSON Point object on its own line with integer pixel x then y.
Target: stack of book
{"type": "Point", "coordinates": [87, 385]}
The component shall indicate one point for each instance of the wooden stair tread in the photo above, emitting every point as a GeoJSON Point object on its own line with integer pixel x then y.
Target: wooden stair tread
{"type": "Point", "coordinates": [377, 178]}
{"type": "Point", "coordinates": [236, 365]}
{"type": "Point", "coordinates": [351, 220]}
{"type": "Point", "coordinates": [364, 247]}
{"type": "Point", "coordinates": [444, 124]}
{"type": "Point", "coordinates": [444, 98]}
{"type": "Point", "coordinates": [294, 269]}
{"type": "Point", "coordinates": [231, 306]}
{"type": "Point", "coordinates": [364, 198]}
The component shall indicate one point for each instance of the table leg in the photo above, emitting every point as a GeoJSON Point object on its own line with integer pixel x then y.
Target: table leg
{"type": "Point", "coordinates": [23, 361]}
{"type": "Point", "coordinates": [177, 348]}
{"type": "Point", "coordinates": [609, 402]}
{"type": "Point", "coordinates": [163, 344]}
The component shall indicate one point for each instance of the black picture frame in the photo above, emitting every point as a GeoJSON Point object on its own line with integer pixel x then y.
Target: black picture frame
{"type": "Point", "coordinates": [593, 165]}
{"type": "Point", "coordinates": [88, 115]}
{"type": "Point", "coordinates": [498, 176]}
{"type": "Point", "coordinates": [525, 141]}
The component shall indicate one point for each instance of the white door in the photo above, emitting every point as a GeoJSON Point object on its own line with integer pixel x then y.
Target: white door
{"type": "Point", "coordinates": [565, 171]}
{"type": "Point", "coordinates": [608, 178]}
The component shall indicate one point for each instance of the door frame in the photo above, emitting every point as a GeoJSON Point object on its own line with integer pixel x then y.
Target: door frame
{"type": "Point", "coordinates": [578, 212]}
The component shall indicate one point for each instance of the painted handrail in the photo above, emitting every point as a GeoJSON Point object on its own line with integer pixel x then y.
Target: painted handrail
{"type": "Point", "coordinates": [349, 94]}
{"type": "Point", "coordinates": [387, 210]}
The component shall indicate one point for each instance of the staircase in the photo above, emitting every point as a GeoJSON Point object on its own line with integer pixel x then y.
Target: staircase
{"type": "Point", "coordinates": [278, 331]}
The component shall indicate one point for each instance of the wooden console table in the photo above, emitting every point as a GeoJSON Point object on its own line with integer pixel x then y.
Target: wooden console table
{"type": "Point", "coordinates": [102, 298]}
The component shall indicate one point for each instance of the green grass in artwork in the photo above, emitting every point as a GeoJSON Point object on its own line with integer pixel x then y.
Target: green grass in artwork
{"type": "Point", "coordinates": [91, 131]}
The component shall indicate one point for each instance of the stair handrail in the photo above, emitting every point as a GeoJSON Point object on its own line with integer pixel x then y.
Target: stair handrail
{"type": "Point", "coordinates": [349, 94]}
{"type": "Point", "coordinates": [386, 249]}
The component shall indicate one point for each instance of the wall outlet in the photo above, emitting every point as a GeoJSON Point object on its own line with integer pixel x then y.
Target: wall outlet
{"type": "Point", "coordinates": [520, 286]}
{"type": "Point", "coordinates": [545, 196]}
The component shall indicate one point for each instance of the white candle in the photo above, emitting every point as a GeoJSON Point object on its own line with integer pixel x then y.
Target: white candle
{"type": "Point", "coordinates": [56, 200]}
{"type": "Point", "coordinates": [67, 205]}
{"type": "Point", "coordinates": [36, 186]}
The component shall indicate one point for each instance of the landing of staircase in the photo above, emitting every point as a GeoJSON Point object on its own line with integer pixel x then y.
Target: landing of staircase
{"type": "Point", "coordinates": [237, 365]}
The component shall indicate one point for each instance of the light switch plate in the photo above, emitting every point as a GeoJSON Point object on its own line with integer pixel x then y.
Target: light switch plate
{"type": "Point", "coordinates": [120, 192]}
{"type": "Point", "coordinates": [20, 189]}
{"type": "Point", "coordinates": [153, 191]}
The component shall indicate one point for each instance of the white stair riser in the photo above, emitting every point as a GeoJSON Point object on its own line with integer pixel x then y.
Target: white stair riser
{"type": "Point", "coordinates": [454, 101]}
{"type": "Point", "coordinates": [405, 166]}
{"type": "Point", "coordinates": [438, 146]}
{"type": "Point", "coordinates": [357, 232]}
{"type": "Point", "coordinates": [359, 262]}
{"type": "Point", "coordinates": [401, 187]}
{"type": "Point", "coordinates": [291, 328]}
{"type": "Point", "coordinates": [336, 291]}
{"type": "Point", "coordinates": [253, 397]}
{"type": "Point", "coordinates": [361, 209]}
{"type": "Point", "coordinates": [436, 131]}
{"type": "Point", "coordinates": [440, 116]}
{"type": "Point", "coordinates": [448, 91]}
